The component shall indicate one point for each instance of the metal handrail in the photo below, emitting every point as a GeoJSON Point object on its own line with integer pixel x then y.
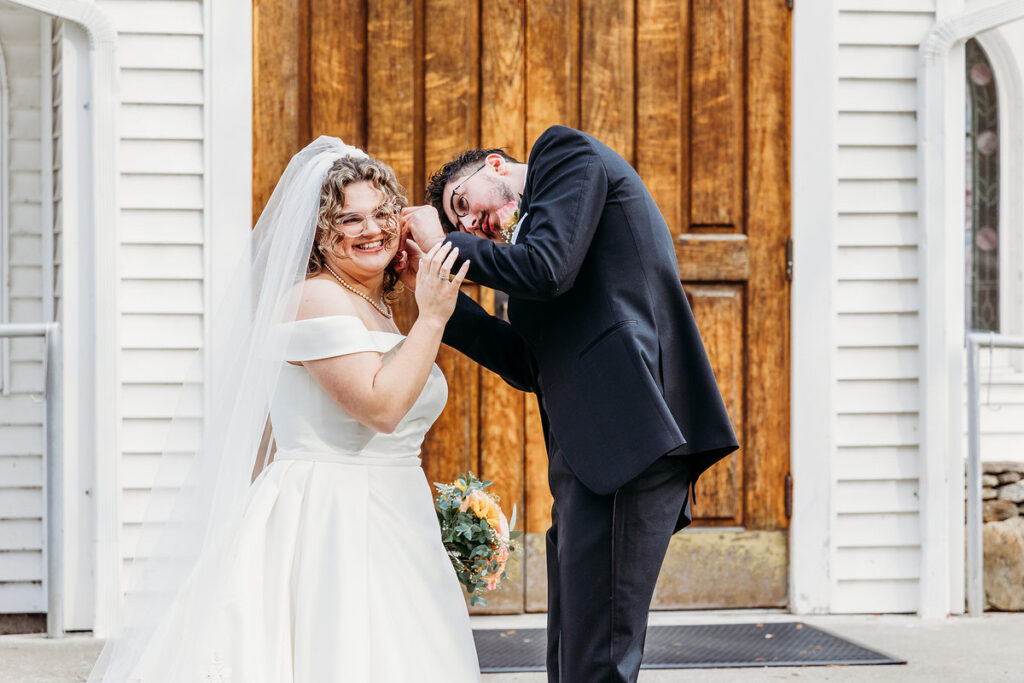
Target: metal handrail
{"type": "Point", "coordinates": [975, 558]}
{"type": "Point", "coordinates": [53, 457]}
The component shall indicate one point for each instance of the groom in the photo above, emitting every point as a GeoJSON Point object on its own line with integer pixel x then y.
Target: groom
{"type": "Point", "coordinates": [601, 331]}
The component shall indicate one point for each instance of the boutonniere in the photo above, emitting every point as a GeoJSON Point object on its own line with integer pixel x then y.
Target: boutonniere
{"type": "Point", "coordinates": [508, 216]}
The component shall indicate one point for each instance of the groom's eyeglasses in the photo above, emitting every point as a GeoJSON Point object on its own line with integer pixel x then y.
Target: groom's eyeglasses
{"type": "Point", "coordinates": [354, 224]}
{"type": "Point", "coordinates": [458, 202]}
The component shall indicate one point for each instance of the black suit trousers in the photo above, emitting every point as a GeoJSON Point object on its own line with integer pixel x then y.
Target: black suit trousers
{"type": "Point", "coordinates": [604, 553]}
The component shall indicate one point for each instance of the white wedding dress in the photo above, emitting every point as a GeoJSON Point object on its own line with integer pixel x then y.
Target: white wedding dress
{"type": "Point", "coordinates": [337, 572]}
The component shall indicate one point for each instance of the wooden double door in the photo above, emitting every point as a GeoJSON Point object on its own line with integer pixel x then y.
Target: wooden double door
{"type": "Point", "coordinates": [695, 94]}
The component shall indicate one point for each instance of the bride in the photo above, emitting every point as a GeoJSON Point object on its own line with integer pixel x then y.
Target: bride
{"type": "Point", "coordinates": [329, 567]}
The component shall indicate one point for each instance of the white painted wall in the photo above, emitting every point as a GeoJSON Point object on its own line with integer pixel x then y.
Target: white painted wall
{"type": "Point", "coordinates": [876, 540]}
{"type": "Point", "coordinates": [21, 411]}
{"type": "Point", "coordinates": [161, 224]}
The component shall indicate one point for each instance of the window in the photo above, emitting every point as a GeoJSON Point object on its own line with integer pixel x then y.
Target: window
{"type": "Point", "coordinates": [982, 234]}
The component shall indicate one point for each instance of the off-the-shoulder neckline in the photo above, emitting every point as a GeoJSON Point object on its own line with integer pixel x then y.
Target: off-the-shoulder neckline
{"type": "Point", "coordinates": [346, 315]}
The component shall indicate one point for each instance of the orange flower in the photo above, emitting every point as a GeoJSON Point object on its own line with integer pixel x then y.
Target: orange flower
{"type": "Point", "coordinates": [484, 507]}
{"type": "Point", "coordinates": [502, 527]}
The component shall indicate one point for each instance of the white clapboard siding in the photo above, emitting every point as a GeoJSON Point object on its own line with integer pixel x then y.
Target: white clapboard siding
{"type": "Point", "coordinates": [871, 230]}
{"type": "Point", "coordinates": [21, 412]}
{"type": "Point", "coordinates": [862, 595]}
{"type": "Point", "coordinates": [163, 226]}
{"type": "Point", "coordinates": [879, 296]}
{"type": "Point", "coordinates": [868, 163]}
{"type": "Point", "coordinates": [155, 400]}
{"type": "Point", "coordinates": [161, 157]}
{"type": "Point", "coordinates": [160, 296]}
{"type": "Point", "coordinates": [878, 329]}
{"type": "Point", "coordinates": [876, 537]}
{"type": "Point", "coordinates": [872, 396]}
{"type": "Point", "coordinates": [1001, 407]}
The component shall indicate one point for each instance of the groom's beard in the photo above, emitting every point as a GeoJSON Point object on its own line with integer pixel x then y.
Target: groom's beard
{"type": "Point", "coordinates": [502, 194]}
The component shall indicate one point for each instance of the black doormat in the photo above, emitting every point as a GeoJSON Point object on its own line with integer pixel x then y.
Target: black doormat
{"type": "Point", "coordinates": [694, 647]}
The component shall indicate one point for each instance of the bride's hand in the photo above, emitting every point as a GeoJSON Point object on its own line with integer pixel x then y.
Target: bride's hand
{"type": "Point", "coordinates": [436, 288]}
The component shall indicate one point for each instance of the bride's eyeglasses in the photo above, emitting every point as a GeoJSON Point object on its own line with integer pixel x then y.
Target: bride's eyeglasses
{"type": "Point", "coordinates": [458, 202]}
{"type": "Point", "coordinates": [355, 224]}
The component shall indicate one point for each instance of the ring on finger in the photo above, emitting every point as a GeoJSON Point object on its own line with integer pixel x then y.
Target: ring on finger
{"type": "Point", "coordinates": [449, 277]}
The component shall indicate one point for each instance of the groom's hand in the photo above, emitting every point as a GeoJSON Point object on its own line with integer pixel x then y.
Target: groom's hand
{"type": "Point", "coordinates": [424, 224]}
{"type": "Point", "coordinates": [407, 264]}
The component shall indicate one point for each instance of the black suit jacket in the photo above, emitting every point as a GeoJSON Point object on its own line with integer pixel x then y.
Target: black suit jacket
{"type": "Point", "coordinates": [599, 325]}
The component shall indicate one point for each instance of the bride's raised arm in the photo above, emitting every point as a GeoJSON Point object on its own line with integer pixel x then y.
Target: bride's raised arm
{"type": "Point", "coordinates": [377, 394]}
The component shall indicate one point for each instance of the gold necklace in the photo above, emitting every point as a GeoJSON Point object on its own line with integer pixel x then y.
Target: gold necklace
{"type": "Point", "coordinates": [386, 311]}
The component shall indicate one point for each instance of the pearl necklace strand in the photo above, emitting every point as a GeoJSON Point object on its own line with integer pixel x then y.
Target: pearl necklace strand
{"type": "Point", "coordinates": [385, 311]}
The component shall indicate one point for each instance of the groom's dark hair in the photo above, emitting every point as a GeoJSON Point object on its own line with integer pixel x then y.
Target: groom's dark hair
{"type": "Point", "coordinates": [460, 166]}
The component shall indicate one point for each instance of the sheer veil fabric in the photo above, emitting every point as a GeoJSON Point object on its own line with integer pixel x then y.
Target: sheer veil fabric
{"type": "Point", "coordinates": [214, 441]}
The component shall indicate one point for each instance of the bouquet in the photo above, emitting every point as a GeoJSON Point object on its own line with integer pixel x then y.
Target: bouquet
{"type": "Point", "coordinates": [476, 534]}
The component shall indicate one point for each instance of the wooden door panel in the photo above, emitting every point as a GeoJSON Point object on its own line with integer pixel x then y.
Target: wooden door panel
{"type": "Point", "coordinates": [713, 257]}
{"type": "Point", "coordinates": [719, 311]}
{"type": "Point", "coordinates": [767, 225]}
{"type": "Point", "coordinates": [392, 72]}
{"type": "Point", "coordinates": [279, 117]}
{"type": "Point", "coordinates": [662, 97]}
{"type": "Point", "coordinates": [337, 46]}
{"type": "Point", "coordinates": [716, 113]}
{"type": "Point", "coordinates": [606, 80]}
{"type": "Point", "coordinates": [552, 65]}
{"type": "Point", "coordinates": [694, 93]}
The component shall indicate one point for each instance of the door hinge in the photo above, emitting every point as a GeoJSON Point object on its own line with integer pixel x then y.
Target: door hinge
{"type": "Point", "coordinates": [789, 496]}
{"type": "Point", "coordinates": [789, 4]}
{"type": "Point", "coordinates": [789, 259]}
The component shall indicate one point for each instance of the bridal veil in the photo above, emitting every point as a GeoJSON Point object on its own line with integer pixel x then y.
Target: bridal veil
{"type": "Point", "coordinates": [218, 437]}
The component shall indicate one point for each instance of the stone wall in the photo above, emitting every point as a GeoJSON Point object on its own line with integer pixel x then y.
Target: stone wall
{"type": "Point", "coordinates": [1003, 532]}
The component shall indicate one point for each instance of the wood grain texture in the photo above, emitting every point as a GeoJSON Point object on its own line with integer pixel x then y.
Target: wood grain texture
{"type": "Point", "coordinates": [503, 76]}
{"type": "Point", "coordinates": [552, 65]}
{"type": "Point", "coordinates": [538, 494]}
{"type": "Point", "coordinates": [337, 79]}
{"type": "Point", "coordinates": [719, 312]}
{"type": "Point", "coordinates": [607, 106]}
{"type": "Point", "coordinates": [716, 112]}
{"type": "Point", "coordinates": [713, 257]}
{"type": "Point", "coordinates": [553, 97]}
{"type": "Point", "coordinates": [502, 459]}
{"type": "Point", "coordinates": [451, 80]}
{"type": "Point", "coordinates": [503, 124]}
{"type": "Point", "coordinates": [768, 228]}
{"type": "Point", "coordinates": [278, 127]}
{"type": "Point", "coordinates": [391, 68]}
{"type": "Point", "coordinates": [451, 124]}
{"type": "Point", "coordinates": [661, 66]}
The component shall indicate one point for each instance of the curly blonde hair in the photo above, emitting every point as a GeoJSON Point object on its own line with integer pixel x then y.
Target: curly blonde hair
{"type": "Point", "coordinates": [343, 172]}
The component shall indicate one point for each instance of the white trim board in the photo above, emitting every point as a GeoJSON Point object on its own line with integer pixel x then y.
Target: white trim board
{"type": "Point", "coordinates": [940, 159]}
{"type": "Point", "coordinates": [95, 336]}
{"type": "Point", "coordinates": [227, 176]}
{"type": "Point", "coordinates": [815, 150]}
